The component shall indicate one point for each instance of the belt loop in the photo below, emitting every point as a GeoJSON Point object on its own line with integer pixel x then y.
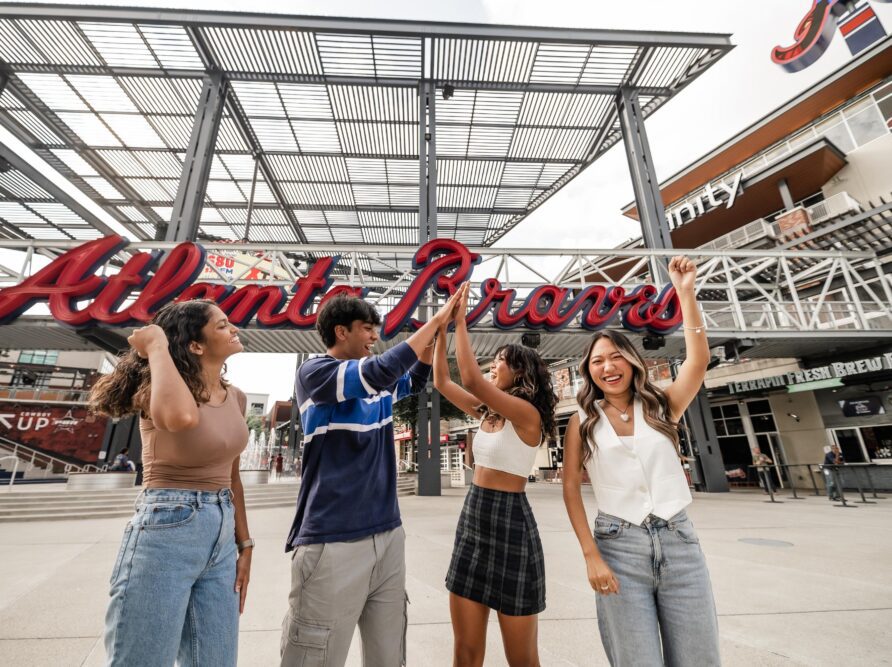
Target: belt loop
{"type": "Point", "coordinates": [198, 499]}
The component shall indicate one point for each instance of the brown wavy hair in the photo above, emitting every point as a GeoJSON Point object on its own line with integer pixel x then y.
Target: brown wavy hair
{"type": "Point", "coordinates": [655, 404]}
{"type": "Point", "coordinates": [532, 382]}
{"type": "Point", "coordinates": [126, 390]}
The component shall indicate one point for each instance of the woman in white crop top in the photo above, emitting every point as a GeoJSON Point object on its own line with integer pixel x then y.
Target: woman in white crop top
{"type": "Point", "coordinates": [655, 602]}
{"type": "Point", "coordinates": [497, 562]}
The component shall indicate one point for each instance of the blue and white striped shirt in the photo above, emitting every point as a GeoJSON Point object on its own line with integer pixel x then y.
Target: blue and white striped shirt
{"type": "Point", "coordinates": [348, 470]}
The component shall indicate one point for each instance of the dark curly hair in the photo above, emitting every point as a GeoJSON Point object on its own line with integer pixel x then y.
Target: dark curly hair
{"type": "Point", "coordinates": [343, 310]}
{"type": "Point", "coordinates": [532, 382]}
{"type": "Point", "coordinates": [126, 390]}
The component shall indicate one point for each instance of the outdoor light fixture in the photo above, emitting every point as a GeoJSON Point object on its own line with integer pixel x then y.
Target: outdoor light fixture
{"type": "Point", "coordinates": [531, 340]}
{"type": "Point", "coordinates": [793, 415]}
{"type": "Point", "coordinates": [448, 91]}
{"type": "Point", "coordinates": [653, 342]}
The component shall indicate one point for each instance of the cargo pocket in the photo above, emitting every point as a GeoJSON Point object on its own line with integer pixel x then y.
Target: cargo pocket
{"type": "Point", "coordinates": [307, 643]}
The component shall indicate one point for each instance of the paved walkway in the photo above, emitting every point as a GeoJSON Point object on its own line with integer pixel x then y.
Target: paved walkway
{"type": "Point", "coordinates": [824, 598]}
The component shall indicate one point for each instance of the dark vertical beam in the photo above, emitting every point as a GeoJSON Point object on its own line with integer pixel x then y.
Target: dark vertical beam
{"type": "Point", "coordinates": [651, 213]}
{"type": "Point", "coordinates": [432, 162]}
{"type": "Point", "coordinates": [708, 454]}
{"type": "Point", "coordinates": [786, 196]}
{"type": "Point", "coordinates": [3, 79]}
{"type": "Point", "coordinates": [197, 164]}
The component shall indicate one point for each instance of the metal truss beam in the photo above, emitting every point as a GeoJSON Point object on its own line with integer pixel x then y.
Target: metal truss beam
{"type": "Point", "coordinates": [190, 198]}
{"type": "Point", "coordinates": [57, 193]}
{"type": "Point", "coordinates": [36, 106]}
{"type": "Point", "coordinates": [367, 26]}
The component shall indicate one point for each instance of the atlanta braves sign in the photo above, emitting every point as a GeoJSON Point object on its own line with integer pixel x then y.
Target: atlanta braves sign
{"type": "Point", "coordinates": [77, 297]}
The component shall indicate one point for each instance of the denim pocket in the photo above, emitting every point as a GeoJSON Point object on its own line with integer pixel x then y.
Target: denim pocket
{"type": "Point", "coordinates": [608, 530]}
{"type": "Point", "coordinates": [167, 515]}
{"type": "Point", "coordinates": [686, 532]}
{"type": "Point", "coordinates": [125, 542]}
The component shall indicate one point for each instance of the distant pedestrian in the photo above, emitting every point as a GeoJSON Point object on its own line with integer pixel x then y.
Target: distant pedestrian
{"type": "Point", "coordinates": [122, 462]}
{"type": "Point", "coordinates": [280, 461]}
{"type": "Point", "coordinates": [833, 457]}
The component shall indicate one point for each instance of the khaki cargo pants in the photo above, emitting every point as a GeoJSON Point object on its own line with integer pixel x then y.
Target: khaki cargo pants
{"type": "Point", "coordinates": [338, 585]}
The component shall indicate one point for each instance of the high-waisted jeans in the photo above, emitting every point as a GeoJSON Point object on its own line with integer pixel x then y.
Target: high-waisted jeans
{"type": "Point", "coordinates": [172, 587]}
{"type": "Point", "coordinates": [664, 613]}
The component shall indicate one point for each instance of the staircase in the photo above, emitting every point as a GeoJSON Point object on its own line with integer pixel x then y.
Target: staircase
{"type": "Point", "coordinates": [34, 466]}
{"type": "Point", "coordinates": [407, 484]}
{"type": "Point", "coordinates": [64, 505]}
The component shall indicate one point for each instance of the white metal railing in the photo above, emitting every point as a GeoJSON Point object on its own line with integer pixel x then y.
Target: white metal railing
{"type": "Point", "coordinates": [743, 236]}
{"type": "Point", "coordinates": [43, 395]}
{"type": "Point", "coordinates": [35, 458]}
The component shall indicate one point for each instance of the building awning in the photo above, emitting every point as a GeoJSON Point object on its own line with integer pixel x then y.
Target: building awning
{"type": "Point", "coordinates": [806, 171]}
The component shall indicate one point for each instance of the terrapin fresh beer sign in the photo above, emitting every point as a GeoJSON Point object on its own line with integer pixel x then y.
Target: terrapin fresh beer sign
{"type": "Point", "coordinates": [860, 27]}
{"type": "Point", "coordinates": [78, 297]}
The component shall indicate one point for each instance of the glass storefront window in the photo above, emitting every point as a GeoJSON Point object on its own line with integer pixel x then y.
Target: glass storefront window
{"type": "Point", "coordinates": [867, 125]}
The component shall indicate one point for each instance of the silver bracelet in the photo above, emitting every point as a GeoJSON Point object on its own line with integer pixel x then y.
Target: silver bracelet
{"type": "Point", "coordinates": [699, 329]}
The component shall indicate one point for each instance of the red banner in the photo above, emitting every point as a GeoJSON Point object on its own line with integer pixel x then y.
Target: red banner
{"type": "Point", "coordinates": [66, 430]}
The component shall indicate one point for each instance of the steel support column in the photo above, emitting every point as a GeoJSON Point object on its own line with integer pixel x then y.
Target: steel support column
{"type": "Point", "coordinates": [189, 202]}
{"type": "Point", "coordinates": [709, 473]}
{"type": "Point", "coordinates": [786, 196]}
{"type": "Point", "coordinates": [428, 418]}
{"type": "Point", "coordinates": [651, 214]}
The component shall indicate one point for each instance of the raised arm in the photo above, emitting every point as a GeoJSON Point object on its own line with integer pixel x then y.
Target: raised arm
{"type": "Point", "coordinates": [422, 340]}
{"type": "Point", "coordinates": [460, 398]}
{"type": "Point", "coordinates": [172, 406]}
{"type": "Point", "coordinates": [521, 413]}
{"type": "Point", "coordinates": [598, 572]}
{"type": "Point", "coordinates": [683, 273]}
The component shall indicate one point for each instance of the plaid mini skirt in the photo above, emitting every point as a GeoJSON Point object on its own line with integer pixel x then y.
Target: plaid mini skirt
{"type": "Point", "coordinates": [497, 559]}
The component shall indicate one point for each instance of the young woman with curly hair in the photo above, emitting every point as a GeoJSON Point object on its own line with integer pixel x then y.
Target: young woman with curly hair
{"type": "Point", "coordinates": [497, 562]}
{"type": "Point", "coordinates": [179, 585]}
{"type": "Point", "coordinates": [655, 602]}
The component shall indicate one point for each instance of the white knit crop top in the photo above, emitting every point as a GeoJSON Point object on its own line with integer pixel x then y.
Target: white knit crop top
{"type": "Point", "coordinates": [504, 450]}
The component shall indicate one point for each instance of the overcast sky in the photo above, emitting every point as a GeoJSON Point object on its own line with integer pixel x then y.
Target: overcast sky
{"type": "Point", "coordinates": [744, 86]}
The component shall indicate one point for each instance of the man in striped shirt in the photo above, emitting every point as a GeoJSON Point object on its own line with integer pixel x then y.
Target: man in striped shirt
{"type": "Point", "coordinates": [349, 561]}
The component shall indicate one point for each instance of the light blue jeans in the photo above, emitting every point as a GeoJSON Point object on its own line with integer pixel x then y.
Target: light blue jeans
{"type": "Point", "coordinates": [172, 587]}
{"type": "Point", "coordinates": [664, 613]}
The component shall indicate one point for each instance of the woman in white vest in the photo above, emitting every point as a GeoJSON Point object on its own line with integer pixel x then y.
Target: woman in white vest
{"type": "Point", "coordinates": [655, 602]}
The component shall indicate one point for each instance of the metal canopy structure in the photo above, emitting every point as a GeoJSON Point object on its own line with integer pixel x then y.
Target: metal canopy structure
{"type": "Point", "coordinates": [228, 126]}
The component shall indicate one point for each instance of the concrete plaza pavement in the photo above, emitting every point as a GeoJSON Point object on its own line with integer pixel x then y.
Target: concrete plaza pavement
{"type": "Point", "coordinates": [823, 598]}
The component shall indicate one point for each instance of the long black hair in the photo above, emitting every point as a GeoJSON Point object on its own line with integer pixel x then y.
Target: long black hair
{"type": "Point", "coordinates": [126, 390]}
{"type": "Point", "coordinates": [532, 382]}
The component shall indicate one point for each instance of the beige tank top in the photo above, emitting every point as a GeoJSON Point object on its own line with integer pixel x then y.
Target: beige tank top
{"type": "Point", "coordinates": [199, 458]}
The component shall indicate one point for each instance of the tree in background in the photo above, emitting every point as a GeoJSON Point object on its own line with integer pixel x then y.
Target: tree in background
{"type": "Point", "coordinates": [405, 412]}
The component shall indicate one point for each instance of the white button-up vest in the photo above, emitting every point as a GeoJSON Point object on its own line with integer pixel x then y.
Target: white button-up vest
{"type": "Point", "coordinates": [631, 482]}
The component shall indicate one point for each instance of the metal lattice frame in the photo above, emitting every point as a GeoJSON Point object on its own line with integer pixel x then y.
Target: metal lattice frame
{"type": "Point", "coordinates": [319, 138]}
{"type": "Point", "coordinates": [790, 301]}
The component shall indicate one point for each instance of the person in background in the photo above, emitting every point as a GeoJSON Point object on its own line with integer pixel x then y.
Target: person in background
{"type": "Point", "coordinates": [181, 576]}
{"type": "Point", "coordinates": [122, 462]}
{"type": "Point", "coordinates": [655, 601]}
{"type": "Point", "coordinates": [833, 457]}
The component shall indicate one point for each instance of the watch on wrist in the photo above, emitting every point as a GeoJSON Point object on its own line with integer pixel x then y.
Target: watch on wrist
{"type": "Point", "coordinates": [241, 546]}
